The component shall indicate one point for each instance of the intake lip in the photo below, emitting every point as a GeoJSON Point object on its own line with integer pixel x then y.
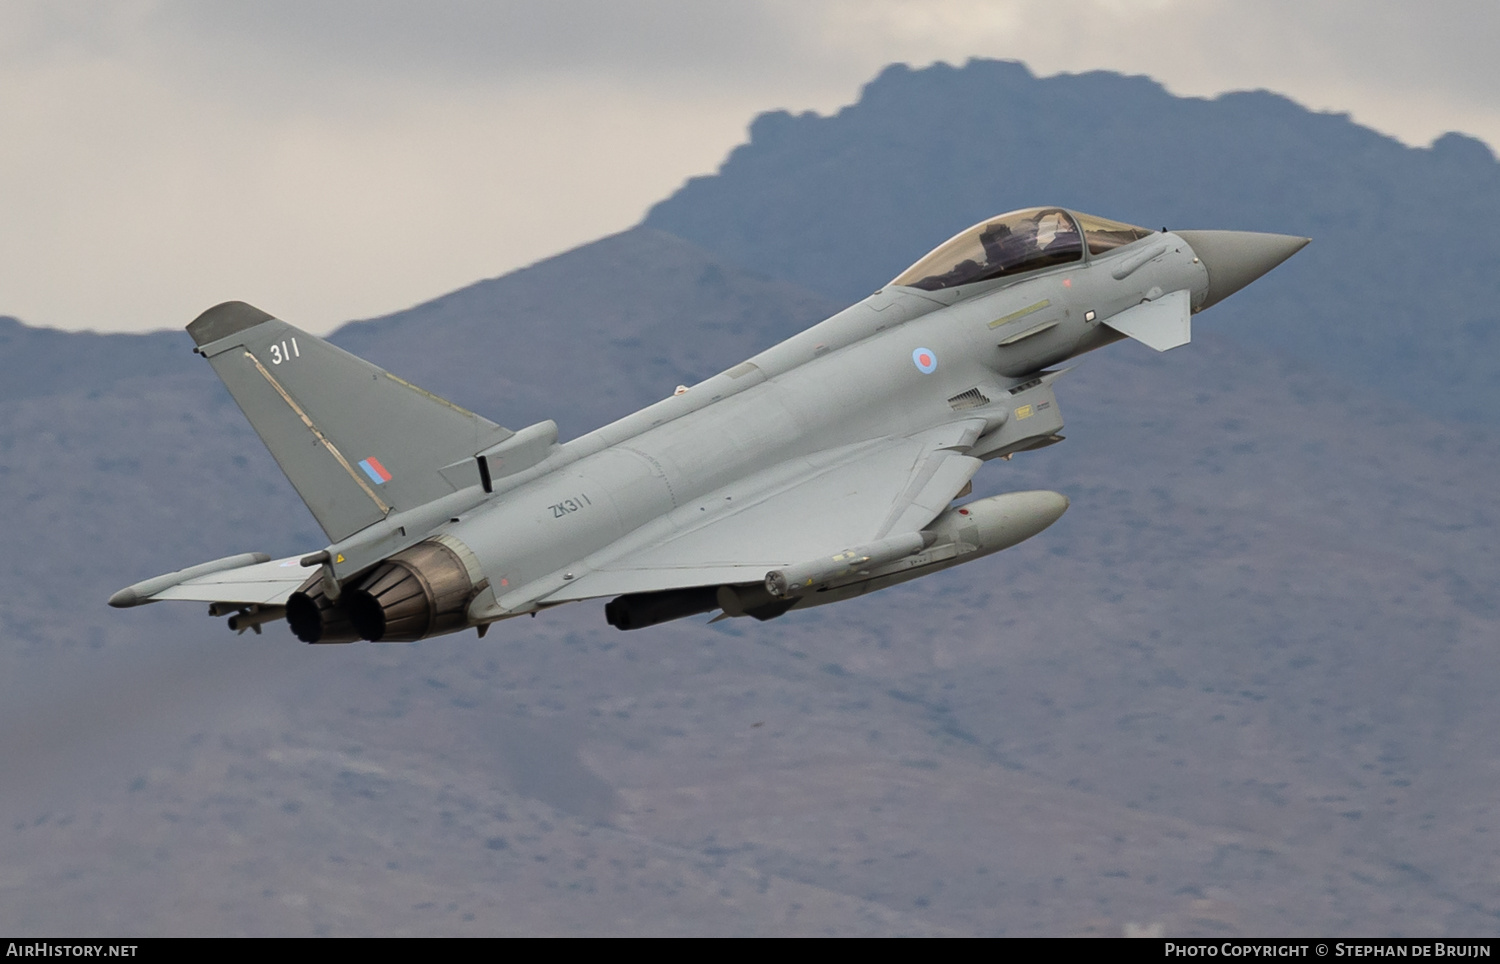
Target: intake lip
{"type": "Point", "coordinates": [1236, 258]}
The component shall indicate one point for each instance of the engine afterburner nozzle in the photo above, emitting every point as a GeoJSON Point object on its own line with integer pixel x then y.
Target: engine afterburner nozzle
{"type": "Point", "coordinates": [421, 591]}
{"type": "Point", "coordinates": [1236, 258]}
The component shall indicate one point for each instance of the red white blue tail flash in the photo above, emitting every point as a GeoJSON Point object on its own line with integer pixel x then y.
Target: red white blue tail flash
{"type": "Point", "coordinates": [377, 472]}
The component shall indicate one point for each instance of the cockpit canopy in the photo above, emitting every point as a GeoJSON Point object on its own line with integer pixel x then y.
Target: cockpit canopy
{"type": "Point", "coordinates": [1014, 243]}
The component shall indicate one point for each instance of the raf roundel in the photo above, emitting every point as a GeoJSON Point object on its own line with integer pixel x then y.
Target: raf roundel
{"type": "Point", "coordinates": [925, 360]}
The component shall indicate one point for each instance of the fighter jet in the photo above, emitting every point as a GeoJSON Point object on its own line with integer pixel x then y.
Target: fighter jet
{"type": "Point", "coordinates": [823, 468]}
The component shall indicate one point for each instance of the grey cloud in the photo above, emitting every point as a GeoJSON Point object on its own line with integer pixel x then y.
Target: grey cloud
{"type": "Point", "coordinates": [1442, 44]}
{"type": "Point", "coordinates": [1434, 49]}
{"type": "Point", "coordinates": [333, 132]}
{"type": "Point", "coordinates": [468, 40]}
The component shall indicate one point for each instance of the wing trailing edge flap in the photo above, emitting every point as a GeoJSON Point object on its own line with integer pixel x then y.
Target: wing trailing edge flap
{"type": "Point", "coordinates": [785, 515]}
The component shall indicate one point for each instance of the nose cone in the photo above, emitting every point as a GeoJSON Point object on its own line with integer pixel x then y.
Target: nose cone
{"type": "Point", "coordinates": [1236, 258]}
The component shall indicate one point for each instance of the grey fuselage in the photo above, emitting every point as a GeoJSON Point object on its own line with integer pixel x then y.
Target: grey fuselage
{"type": "Point", "coordinates": [849, 378]}
{"type": "Point", "coordinates": [824, 467]}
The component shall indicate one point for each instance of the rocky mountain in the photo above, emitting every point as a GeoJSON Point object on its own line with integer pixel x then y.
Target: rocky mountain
{"type": "Point", "coordinates": [1244, 686]}
{"type": "Point", "coordinates": [1398, 291]}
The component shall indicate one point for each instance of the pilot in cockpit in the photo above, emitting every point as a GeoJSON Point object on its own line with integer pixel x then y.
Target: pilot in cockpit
{"type": "Point", "coordinates": [1006, 246]}
{"type": "Point", "coordinates": [996, 240]}
{"type": "Point", "coordinates": [1055, 232]}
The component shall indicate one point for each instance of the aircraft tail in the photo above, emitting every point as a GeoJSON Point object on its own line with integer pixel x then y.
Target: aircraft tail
{"type": "Point", "coordinates": [354, 440]}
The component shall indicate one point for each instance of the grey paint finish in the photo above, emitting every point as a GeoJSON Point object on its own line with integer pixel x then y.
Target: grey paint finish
{"type": "Point", "coordinates": [323, 412]}
{"type": "Point", "coordinates": [1236, 258]}
{"type": "Point", "coordinates": [847, 440]}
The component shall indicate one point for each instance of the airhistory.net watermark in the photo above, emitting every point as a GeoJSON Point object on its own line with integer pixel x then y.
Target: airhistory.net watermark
{"type": "Point", "coordinates": [44, 949]}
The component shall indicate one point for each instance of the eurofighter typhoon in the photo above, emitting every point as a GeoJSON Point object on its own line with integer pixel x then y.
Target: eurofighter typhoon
{"type": "Point", "coordinates": [821, 469]}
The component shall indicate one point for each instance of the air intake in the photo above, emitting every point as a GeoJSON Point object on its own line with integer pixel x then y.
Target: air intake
{"type": "Point", "coordinates": [973, 398]}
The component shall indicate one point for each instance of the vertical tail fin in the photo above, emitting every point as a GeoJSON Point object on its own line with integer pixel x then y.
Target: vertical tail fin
{"type": "Point", "coordinates": [354, 440]}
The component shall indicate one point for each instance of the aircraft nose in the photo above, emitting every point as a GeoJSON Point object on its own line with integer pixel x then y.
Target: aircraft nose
{"type": "Point", "coordinates": [1236, 258]}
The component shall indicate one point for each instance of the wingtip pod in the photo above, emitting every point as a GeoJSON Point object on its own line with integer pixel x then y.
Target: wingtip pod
{"type": "Point", "coordinates": [142, 592]}
{"type": "Point", "coordinates": [126, 598]}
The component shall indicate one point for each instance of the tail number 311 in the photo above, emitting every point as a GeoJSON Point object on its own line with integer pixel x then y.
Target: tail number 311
{"type": "Point", "coordinates": [281, 353]}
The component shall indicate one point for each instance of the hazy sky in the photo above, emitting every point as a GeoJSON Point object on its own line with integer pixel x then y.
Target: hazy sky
{"type": "Point", "coordinates": [343, 159]}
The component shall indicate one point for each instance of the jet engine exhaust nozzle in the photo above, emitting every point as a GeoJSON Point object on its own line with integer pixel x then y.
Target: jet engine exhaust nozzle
{"type": "Point", "coordinates": [314, 618]}
{"type": "Point", "coordinates": [418, 592]}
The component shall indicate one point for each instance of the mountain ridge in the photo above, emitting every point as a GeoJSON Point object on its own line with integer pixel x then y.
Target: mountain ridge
{"type": "Point", "coordinates": [1397, 289]}
{"type": "Point", "coordinates": [1244, 686]}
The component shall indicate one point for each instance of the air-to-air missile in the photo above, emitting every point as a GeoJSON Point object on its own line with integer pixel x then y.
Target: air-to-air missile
{"type": "Point", "coordinates": [825, 467]}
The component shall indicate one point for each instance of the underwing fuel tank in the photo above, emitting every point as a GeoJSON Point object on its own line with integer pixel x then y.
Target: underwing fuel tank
{"type": "Point", "coordinates": [961, 534]}
{"type": "Point", "coordinates": [967, 532]}
{"type": "Point", "coordinates": [1000, 521]}
{"type": "Point", "coordinates": [958, 535]}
